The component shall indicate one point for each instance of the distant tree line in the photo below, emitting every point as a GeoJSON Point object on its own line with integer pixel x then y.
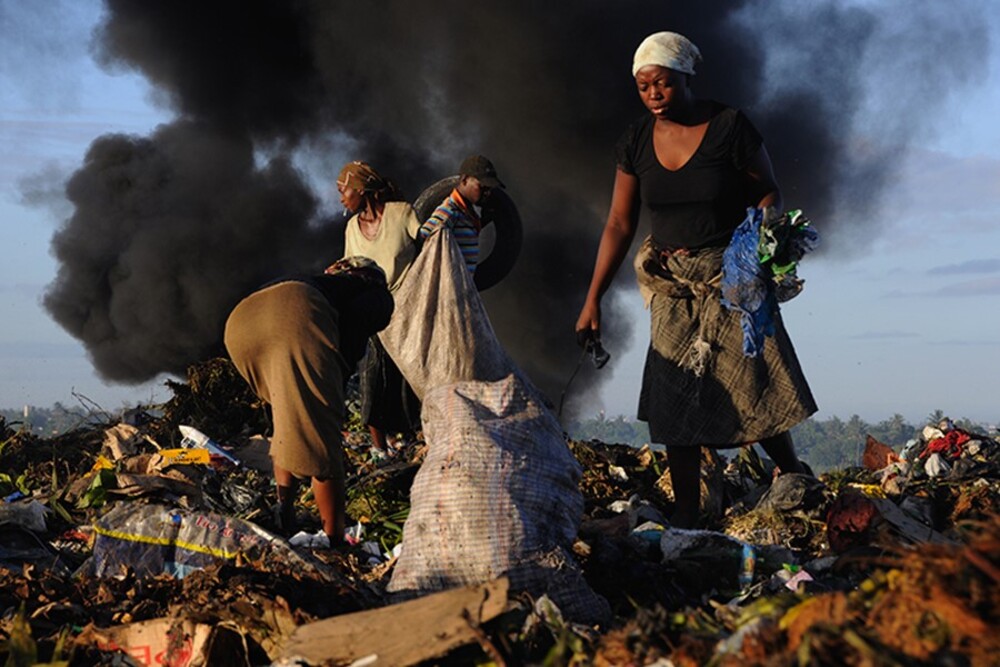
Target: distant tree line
{"type": "Point", "coordinates": [47, 422]}
{"type": "Point", "coordinates": [617, 430]}
{"type": "Point", "coordinates": [824, 444]}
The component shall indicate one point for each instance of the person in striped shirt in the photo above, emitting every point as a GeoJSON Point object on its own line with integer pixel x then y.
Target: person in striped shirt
{"type": "Point", "coordinates": [477, 178]}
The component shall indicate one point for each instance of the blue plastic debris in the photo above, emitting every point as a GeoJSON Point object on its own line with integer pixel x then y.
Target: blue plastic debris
{"type": "Point", "coordinates": [759, 270]}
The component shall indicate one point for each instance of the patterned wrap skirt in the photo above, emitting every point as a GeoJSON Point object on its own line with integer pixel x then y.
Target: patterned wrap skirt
{"type": "Point", "coordinates": [698, 388]}
{"type": "Point", "coordinates": [283, 340]}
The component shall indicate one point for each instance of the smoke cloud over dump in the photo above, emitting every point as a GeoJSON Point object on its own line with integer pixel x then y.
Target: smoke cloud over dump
{"type": "Point", "coordinates": [171, 230]}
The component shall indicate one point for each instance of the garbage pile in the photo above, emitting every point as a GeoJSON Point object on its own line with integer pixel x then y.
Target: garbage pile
{"type": "Point", "coordinates": [139, 542]}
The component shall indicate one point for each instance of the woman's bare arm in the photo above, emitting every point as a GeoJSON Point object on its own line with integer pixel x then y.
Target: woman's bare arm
{"type": "Point", "coordinates": [762, 181]}
{"type": "Point", "coordinates": [619, 230]}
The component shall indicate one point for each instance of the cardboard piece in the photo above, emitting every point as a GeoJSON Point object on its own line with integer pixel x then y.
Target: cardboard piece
{"type": "Point", "coordinates": [175, 642]}
{"type": "Point", "coordinates": [121, 441]}
{"type": "Point", "coordinates": [422, 629]}
{"type": "Point", "coordinates": [878, 455]}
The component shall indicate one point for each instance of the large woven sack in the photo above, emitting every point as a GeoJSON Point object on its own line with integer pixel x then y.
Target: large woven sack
{"type": "Point", "coordinates": [498, 490]}
{"type": "Point", "coordinates": [440, 332]}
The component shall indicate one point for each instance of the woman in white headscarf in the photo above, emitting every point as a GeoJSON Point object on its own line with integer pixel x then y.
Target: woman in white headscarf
{"type": "Point", "coordinates": [696, 165]}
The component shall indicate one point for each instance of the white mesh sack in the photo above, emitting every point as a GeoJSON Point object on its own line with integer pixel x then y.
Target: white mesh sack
{"type": "Point", "coordinates": [498, 491]}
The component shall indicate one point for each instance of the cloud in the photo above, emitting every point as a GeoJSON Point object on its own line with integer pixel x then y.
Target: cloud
{"type": "Point", "coordinates": [968, 288]}
{"type": "Point", "coordinates": [935, 197]}
{"type": "Point", "coordinates": [957, 342]}
{"type": "Point", "coordinates": [944, 191]}
{"type": "Point", "coordinates": [980, 287]}
{"type": "Point", "coordinates": [884, 335]}
{"type": "Point", "coordinates": [970, 266]}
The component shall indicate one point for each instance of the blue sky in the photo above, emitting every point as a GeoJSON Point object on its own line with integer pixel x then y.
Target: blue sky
{"type": "Point", "coordinates": [904, 319]}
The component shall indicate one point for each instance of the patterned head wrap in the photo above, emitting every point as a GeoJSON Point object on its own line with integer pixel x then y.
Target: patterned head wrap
{"type": "Point", "coordinates": [361, 176]}
{"type": "Point", "coordinates": [359, 267]}
{"type": "Point", "coordinates": [667, 49]}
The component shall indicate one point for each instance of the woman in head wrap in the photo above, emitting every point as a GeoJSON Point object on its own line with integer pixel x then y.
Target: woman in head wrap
{"type": "Point", "coordinates": [384, 229]}
{"type": "Point", "coordinates": [696, 165]}
{"type": "Point", "coordinates": [296, 341]}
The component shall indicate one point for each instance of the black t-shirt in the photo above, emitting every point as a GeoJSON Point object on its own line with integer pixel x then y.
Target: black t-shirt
{"type": "Point", "coordinates": [700, 204]}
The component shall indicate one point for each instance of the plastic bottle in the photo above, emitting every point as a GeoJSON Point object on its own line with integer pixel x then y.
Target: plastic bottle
{"type": "Point", "coordinates": [748, 562]}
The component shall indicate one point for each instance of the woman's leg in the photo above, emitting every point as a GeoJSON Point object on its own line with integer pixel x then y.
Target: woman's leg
{"type": "Point", "coordinates": [378, 439]}
{"type": "Point", "coordinates": [372, 386]}
{"type": "Point", "coordinates": [685, 475]}
{"type": "Point", "coordinates": [331, 501]}
{"type": "Point", "coordinates": [782, 452]}
{"type": "Point", "coordinates": [288, 487]}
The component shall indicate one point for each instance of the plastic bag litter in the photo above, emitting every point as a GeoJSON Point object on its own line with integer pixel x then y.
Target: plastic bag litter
{"type": "Point", "coordinates": [19, 546]}
{"type": "Point", "coordinates": [936, 466]}
{"type": "Point", "coordinates": [911, 450]}
{"type": "Point", "coordinates": [793, 491]}
{"type": "Point", "coordinates": [156, 539]}
{"type": "Point", "coordinates": [617, 473]}
{"type": "Point", "coordinates": [743, 286]}
{"type": "Point", "coordinates": [719, 553]}
{"type": "Point", "coordinates": [30, 515]}
{"type": "Point", "coordinates": [374, 551]}
{"type": "Point", "coordinates": [224, 495]}
{"type": "Point", "coordinates": [307, 540]}
{"type": "Point", "coordinates": [759, 270]}
{"type": "Point", "coordinates": [639, 511]}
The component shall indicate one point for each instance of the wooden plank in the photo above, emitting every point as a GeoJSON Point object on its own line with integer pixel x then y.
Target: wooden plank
{"type": "Point", "coordinates": [401, 634]}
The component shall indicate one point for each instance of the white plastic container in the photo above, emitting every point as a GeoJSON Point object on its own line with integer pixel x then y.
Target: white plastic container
{"type": "Point", "coordinates": [195, 439]}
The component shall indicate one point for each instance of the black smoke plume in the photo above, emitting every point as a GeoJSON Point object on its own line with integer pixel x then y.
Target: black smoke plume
{"type": "Point", "coordinates": [170, 230]}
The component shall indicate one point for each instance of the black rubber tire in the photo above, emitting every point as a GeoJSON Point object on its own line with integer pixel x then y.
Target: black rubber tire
{"type": "Point", "coordinates": [501, 211]}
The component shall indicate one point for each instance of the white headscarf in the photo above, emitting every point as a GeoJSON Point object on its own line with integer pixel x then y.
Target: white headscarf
{"type": "Point", "coordinates": [667, 49]}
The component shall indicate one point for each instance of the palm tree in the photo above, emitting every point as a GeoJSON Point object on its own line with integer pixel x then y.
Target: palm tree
{"type": "Point", "coordinates": [936, 417]}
